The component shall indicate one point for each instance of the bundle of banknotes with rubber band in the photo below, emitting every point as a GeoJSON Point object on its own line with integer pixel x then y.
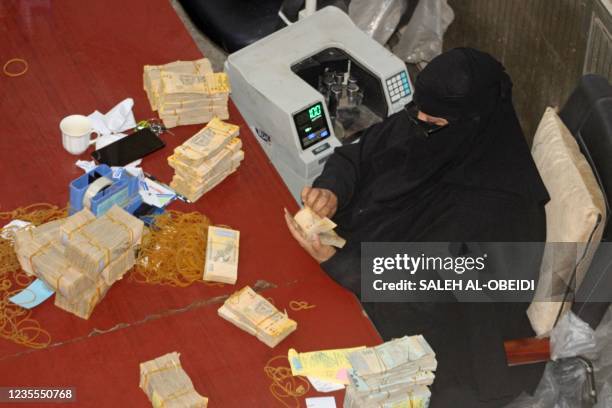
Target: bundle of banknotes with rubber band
{"type": "Point", "coordinates": [255, 315]}
{"type": "Point", "coordinates": [393, 374]}
{"type": "Point", "coordinates": [80, 257]}
{"type": "Point", "coordinates": [186, 92]}
{"type": "Point", "coordinates": [221, 263]}
{"type": "Point", "coordinates": [168, 385]}
{"type": "Point", "coordinates": [206, 159]}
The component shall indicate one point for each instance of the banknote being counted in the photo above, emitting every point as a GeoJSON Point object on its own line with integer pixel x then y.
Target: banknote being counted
{"type": "Point", "coordinates": [312, 224]}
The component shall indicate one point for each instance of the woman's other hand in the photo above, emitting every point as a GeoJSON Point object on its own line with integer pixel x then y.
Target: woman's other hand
{"type": "Point", "coordinates": [320, 200]}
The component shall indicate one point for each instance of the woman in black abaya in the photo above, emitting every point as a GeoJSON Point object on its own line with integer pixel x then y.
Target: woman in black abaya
{"type": "Point", "coordinates": [455, 169]}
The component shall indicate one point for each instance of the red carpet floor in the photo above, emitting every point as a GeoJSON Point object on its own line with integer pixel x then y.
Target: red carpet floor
{"type": "Point", "coordinates": [85, 56]}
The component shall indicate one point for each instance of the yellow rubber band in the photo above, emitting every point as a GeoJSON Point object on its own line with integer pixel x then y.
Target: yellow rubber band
{"type": "Point", "coordinates": [296, 305]}
{"type": "Point", "coordinates": [14, 61]}
{"type": "Point", "coordinates": [147, 374]}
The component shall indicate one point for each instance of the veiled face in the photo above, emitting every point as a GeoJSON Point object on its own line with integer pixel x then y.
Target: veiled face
{"type": "Point", "coordinates": [459, 84]}
{"type": "Point", "coordinates": [431, 119]}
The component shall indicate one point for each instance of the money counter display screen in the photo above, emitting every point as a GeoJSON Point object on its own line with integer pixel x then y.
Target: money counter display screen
{"type": "Point", "coordinates": [311, 125]}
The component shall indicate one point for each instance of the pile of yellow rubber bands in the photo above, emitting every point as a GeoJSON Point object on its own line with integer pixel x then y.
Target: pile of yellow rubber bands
{"type": "Point", "coordinates": [285, 387]}
{"type": "Point", "coordinates": [16, 323]}
{"type": "Point", "coordinates": [173, 250]}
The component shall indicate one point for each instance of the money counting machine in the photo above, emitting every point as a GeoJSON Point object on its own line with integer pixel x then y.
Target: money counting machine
{"type": "Point", "coordinates": [311, 87]}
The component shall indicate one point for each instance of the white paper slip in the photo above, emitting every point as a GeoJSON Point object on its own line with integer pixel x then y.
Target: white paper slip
{"type": "Point", "coordinates": [162, 194]}
{"type": "Point", "coordinates": [86, 165]}
{"type": "Point", "coordinates": [132, 168]}
{"type": "Point", "coordinates": [9, 229]}
{"type": "Point", "coordinates": [150, 198]}
{"type": "Point", "coordinates": [116, 120]}
{"type": "Point", "coordinates": [324, 386]}
{"type": "Point", "coordinates": [321, 402]}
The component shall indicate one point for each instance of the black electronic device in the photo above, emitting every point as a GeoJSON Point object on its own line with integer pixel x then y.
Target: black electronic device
{"type": "Point", "coordinates": [129, 149]}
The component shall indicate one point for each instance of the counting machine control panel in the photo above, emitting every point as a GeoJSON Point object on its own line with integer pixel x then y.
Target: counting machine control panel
{"type": "Point", "coordinates": [398, 86]}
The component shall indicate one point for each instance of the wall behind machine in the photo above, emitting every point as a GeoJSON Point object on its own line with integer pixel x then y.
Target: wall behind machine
{"type": "Point", "coordinates": [545, 45]}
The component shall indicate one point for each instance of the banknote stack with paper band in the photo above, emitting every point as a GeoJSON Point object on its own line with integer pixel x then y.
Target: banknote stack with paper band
{"type": "Point", "coordinates": [186, 92]}
{"type": "Point", "coordinates": [393, 374]}
{"type": "Point", "coordinates": [312, 224]}
{"type": "Point", "coordinates": [222, 255]}
{"type": "Point", "coordinates": [168, 385]}
{"type": "Point", "coordinates": [80, 257]}
{"type": "Point", "coordinates": [256, 316]}
{"type": "Point", "coordinates": [206, 159]}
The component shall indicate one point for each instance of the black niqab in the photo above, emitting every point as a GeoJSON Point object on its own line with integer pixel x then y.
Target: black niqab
{"type": "Point", "coordinates": [471, 88]}
{"type": "Point", "coordinates": [473, 181]}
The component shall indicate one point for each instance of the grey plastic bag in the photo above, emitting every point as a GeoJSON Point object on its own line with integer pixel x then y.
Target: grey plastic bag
{"type": "Point", "coordinates": [581, 356]}
{"type": "Point", "coordinates": [572, 337]}
{"type": "Point", "coordinates": [378, 18]}
{"type": "Point", "coordinates": [421, 39]}
{"type": "Point", "coordinates": [603, 364]}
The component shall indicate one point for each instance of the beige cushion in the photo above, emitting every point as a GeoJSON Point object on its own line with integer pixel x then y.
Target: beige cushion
{"type": "Point", "coordinates": [575, 217]}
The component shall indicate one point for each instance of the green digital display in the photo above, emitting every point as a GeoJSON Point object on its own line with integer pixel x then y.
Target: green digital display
{"type": "Point", "coordinates": [311, 125]}
{"type": "Point", "coordinates": [314, 112]}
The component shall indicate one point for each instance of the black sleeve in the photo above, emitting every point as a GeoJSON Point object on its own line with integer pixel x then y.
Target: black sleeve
{"type": "Point", "coordinates": [341, 173]}
{"type": "Point", "coordinates": [350, 164]}
{"type": "Point", "coordinates": [345, 268]}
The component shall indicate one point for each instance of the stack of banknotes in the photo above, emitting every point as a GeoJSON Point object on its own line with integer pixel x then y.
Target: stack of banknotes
{"type": "Point", "coordinates": [168, 385]}
{"type": "Point", "coordinates": [258, 317]}
{"type": "Point", "coordinates": [28, 240]}
{"type": "Point", "coordinates": [395, 373]}
{"type": "Point", "coordinates": [206, 159]}
{"type": "Point", "coordinates": [81, 256]}
{"type": "Point", "coordinates": [222, 255]}
{"type": "Point", "coordinates": [186, 92]}
{"type": "Point", "coordinates": [312, 224]}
